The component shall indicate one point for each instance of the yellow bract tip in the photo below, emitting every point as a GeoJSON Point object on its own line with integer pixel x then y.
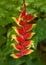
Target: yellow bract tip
{"type": "Point", "coordinates": [30, 51]}
{"type": "Point", "coordinates": [14, 18]}
{"type": "Point", "coordinates": [15, 38]}
{"type": "Point", "coordinates": [33, 33]}
{"type": "Point", "coordinates": [12, 44]}
{"type": "Point", "coordinates": [15, 28]}
{"type": "Point", "coordinates": [13, 55]}
{"type": "Point", "coordinates": [35, 15]}
{"type": "Point", "coordinates": [31, 41]}
{"type": "Point", "coordinates": [34, 25]}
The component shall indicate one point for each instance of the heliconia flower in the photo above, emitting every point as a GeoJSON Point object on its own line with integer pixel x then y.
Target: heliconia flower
{"type": "Point", "coordinates": [27, 51]}
{"type": "Point", "coordinates": [28, 27]}
{"type": "Point", "coordinates": [18, 30]}
{"type": "Point", "coordinates": [18, 38]}
{"type": "Point", "coordinates": [23, 43]}
{"type": "Point", "coordinates": [28, 35]}
{"type": "Point", "coordinates": [16, 55]}
{"type": "Point", "coordinates": [30, 17]}
{"type": "Point", "coordinates": [17, 46]}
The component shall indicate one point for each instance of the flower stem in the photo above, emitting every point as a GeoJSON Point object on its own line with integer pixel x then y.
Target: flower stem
{"type": "Point", "coordinates": [24, 4]}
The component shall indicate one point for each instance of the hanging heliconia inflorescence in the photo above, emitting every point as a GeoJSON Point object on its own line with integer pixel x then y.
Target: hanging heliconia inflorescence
{"type": "Point", "coordinates": [23, 43]}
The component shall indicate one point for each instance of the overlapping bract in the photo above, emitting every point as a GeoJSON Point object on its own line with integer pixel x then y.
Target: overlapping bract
{"type": "Point", "coordinates": [23, 42]}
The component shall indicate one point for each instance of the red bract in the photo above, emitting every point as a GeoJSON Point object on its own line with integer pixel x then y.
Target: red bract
{"type": "Point", "coordinates": [22, 14]}
{"type": "Point", "coordinates": [18, 38]}
{"type": "Point", "coordinates": [22, 23]}
{"type": "Point", "coordinates": [17, 47]}
{"type": "Point", "coordinates": [16, 55]}
{"type": "Point", "coordinates": [28, 27]}
{"type": "Point", "coordinates": [19, 30]}
{"type": "Point", "coordinates": [27, 51]}
{"type": "Point", "coordinates": [28, 35]}
{"type": "Point", "coordinates": [26, 43]}
{"type": "Point", "coordinates": [23, 42]}
{"type": "Point", "coordinates": [29, 17]}
{"type": "Point", "coordinates": [19, 23]}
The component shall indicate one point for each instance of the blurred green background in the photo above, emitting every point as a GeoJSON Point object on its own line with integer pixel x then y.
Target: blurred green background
{"type": "Point", "coordinates": [10, 8]}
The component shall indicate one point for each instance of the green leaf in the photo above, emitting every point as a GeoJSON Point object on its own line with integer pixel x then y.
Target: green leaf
{"type": "Point", "coordinates": [40, 31]}
{"type": "Point", "coordinates": [28, 61]}
{"type": "Point", "coordinates": [43, 8]}
{"type": "Point", "coordinates": [2, 39]}
{"type": "Point", "coordinates": [29, 1]}
{"type": "Point", "coordinates": [10, 32]}
{"type": "Point", "coordinates": [2, 30]}
{"type": "Point", "coordinates": [39, 62]}
{"type": "Point", "coordinates": [12, 61]}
